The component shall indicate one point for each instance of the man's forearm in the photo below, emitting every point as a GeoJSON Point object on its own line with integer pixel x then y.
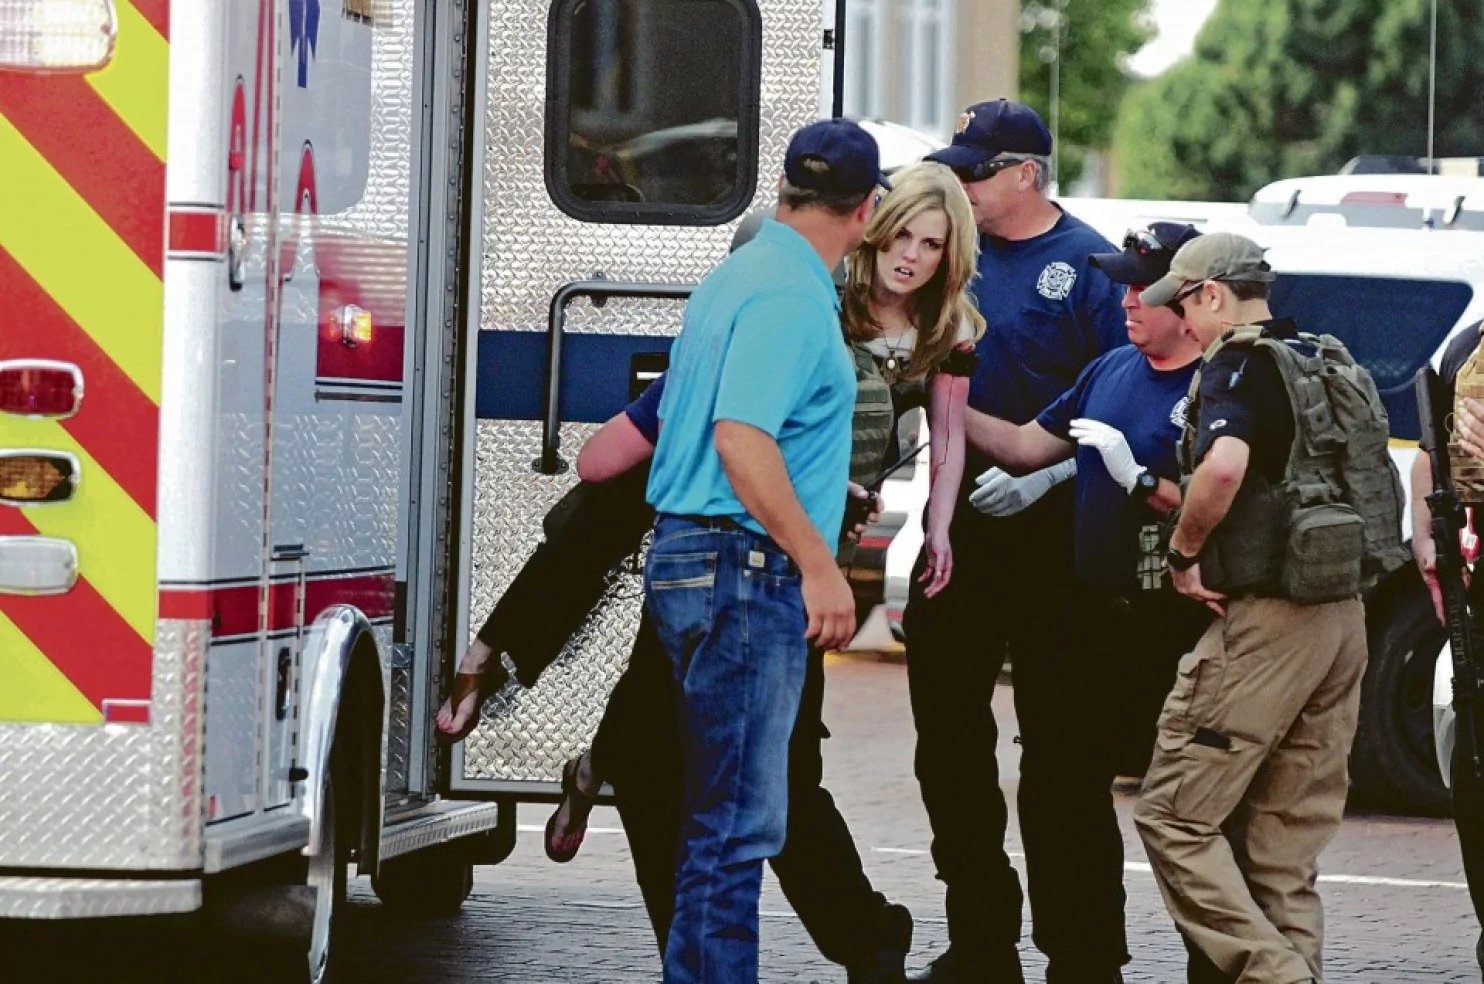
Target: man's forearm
{"type": "Point", "coordinates": [1421, 482]}
{"type": "Point", "coordinates": [1018, 448]}
{"type": "Point", "coordinates": [1212, 490]}
{"type": "Point", "coordinates": [755, 467]}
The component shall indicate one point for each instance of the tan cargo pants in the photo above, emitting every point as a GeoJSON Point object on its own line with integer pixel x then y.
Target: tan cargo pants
{"type": "Point", "coordinates": [1249, 779]}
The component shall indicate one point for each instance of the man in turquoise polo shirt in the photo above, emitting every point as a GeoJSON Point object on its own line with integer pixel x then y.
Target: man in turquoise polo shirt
{"type": "Point", "coordinates": [749, 484]}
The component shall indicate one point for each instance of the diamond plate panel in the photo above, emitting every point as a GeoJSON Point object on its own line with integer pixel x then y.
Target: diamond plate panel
{"type": "Point", "coordinates": [116, 796]}
{"type": "Point", "coordinates": [528, 734]}
{"type": "Point", "coordinates": [336, 482]}
{"type": "Point", "coordinates": [94, 898]}
{"type": "Point", "coordinates": [382, 210]}
{"type": "Point", "coordinates": [399, 723]}
{"type": "Point", "coordinates": [233, 728]}
{"type": "Point", "coordinates": [531, 248]}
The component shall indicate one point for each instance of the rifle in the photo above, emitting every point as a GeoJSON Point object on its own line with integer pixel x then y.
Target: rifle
{"type": "Point", "coordinates": [1448, 521]}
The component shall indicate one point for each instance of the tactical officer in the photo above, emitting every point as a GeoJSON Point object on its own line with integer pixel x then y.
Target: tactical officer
{"type": "Point", "coordinates": [1249, 775]}
{"type": "Point", "coordinates": [1049, 313]}
{"type": "Point", "coordinates": [1122, 420]}
{"type": "Point", "coordinates": [1467, 789]}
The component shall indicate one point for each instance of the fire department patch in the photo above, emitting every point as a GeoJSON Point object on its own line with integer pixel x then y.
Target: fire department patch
{"type": "Point", "coordinates": [964, 119]}
{"type": "Point", "coordinates": [1177, 412]}
{"type": "Point", "coordinates": [1056, 281]}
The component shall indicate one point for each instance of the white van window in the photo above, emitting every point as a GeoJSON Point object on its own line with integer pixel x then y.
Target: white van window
{"type": "Point", "coordinates": [652, 112]}
{"type": "Point", "coordinates": [1391, 326]}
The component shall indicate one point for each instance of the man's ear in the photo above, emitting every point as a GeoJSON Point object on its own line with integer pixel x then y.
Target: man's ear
{"type": "Point", "coordinates": [865, 208]}
{"type": "Point", "coordinates": [1215, 294]}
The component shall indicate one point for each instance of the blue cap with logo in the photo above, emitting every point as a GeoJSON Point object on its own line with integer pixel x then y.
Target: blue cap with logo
{"type": "Point", "coordinates": [988, 129]}
{"type": "Point", "coordinates": [834, 156]}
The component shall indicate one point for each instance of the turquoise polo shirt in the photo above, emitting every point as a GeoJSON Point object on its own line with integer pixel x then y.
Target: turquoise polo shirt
{"type": "Point", "coordinates": [759, 344]}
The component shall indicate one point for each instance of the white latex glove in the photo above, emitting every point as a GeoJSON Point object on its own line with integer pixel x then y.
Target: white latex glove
{"type": "Point", "coordinates": [1002, 494]}
{"type": "Point", "coordinates": [1113, 446]}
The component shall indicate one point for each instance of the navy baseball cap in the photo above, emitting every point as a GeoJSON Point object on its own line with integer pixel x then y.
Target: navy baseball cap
{"type": "Point", "coordinates": [1146, 253]}
{"type": "Point", "coordinates": [834, 156]}
{"type": "Point", "coordinates": [989, 129]}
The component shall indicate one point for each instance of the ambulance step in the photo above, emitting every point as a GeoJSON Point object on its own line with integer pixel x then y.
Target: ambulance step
{"type": "Point", "coordinates": [445, 821]}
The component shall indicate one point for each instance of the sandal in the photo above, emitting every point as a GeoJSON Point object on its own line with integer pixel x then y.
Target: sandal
{"type": "Point", "coordinates": [478, 686]}
{"type": "Point", "coordinates": [579, 805]}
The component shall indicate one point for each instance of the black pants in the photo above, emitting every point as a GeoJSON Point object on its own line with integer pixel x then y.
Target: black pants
{"type": "Point", "coordinates": [819, 869]}
{"type": "Point", "coordinates": [1013, 593]}
{"type": "Point", "coordinates": [1468, 815]}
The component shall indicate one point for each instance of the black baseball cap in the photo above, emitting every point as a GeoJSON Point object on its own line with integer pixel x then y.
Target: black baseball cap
{"type": "Point", "coordinates": [834, 156]}
{"type": "Point", "coordinates": [988, 129]}
{"type": "Point", "coordinates": [1146, 253]}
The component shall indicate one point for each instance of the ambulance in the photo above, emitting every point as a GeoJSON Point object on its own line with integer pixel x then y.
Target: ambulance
{"type": "Point", "coordinates": [305, 306]}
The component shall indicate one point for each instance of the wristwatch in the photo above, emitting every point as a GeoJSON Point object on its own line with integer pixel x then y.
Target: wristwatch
{"type": "Point", "coordinates": [1145, 485]}
{"type": "Point", "coordinates": [1177, 561]}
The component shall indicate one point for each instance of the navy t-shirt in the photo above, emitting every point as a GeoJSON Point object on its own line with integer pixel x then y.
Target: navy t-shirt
{"type": "Point", "coordinates": [644, 411]}
{"type": "Point", "coordinates": [1049, 313]}
{"type": "Point", "coordinates": [1122, 390]}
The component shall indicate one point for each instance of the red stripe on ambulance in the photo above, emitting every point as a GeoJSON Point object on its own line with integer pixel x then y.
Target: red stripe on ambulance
{"type": "Point", "coordinates": [118, 423]}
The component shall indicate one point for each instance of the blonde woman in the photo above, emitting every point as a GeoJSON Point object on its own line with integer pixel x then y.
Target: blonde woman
{"type": "Point", "coordinates": [912, 325]}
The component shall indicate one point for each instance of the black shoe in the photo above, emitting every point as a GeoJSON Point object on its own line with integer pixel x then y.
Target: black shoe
{"type": "Point", "coordinates": [888, 965]}
{"type": "Point", "coordinates": [960, 967]}
{"type": "Point", "coordinates": [1063, 974]}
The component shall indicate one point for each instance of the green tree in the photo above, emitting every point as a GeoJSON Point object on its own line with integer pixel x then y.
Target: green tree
{"type": "Point", "coordinates": [1281, 88]}
{"type": "Point", "coordinates": [1095, 37]}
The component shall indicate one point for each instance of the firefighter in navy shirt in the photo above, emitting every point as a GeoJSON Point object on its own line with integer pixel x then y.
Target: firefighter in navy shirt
{"type": "Point", "coordinates": [1049, 313]}
{"type": "Point", "coordinates": [1122, 419]}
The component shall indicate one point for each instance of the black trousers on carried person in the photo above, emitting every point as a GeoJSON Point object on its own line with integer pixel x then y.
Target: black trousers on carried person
{"type": "Point", "coordinates": [1013, 593]}
{"type": "Point", "coordinates": [819, 869]}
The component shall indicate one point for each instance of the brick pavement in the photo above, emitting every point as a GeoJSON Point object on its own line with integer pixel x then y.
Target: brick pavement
{"type": "Point", "coordinates": [531, 921]}
{"type": "Point", "coordinates": [1398, 913]}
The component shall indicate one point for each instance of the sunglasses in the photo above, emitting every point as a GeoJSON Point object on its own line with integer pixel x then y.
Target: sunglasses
{"type": "Point", "coordinates": [987, 169]}
{"type": "Point", "coordinates": [1176, 303]}
{"type": "Point", "coordinates": [1144, 243]}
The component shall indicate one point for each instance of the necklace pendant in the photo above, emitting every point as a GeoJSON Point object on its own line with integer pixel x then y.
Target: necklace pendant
{"type": "Point", "coordinates": [891, 363]}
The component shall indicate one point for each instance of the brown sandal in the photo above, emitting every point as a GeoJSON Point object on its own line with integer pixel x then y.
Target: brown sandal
{"type": "Point", "coordinates": [581, 803]}
{"type": "Point", "coordinates": [482, 686]}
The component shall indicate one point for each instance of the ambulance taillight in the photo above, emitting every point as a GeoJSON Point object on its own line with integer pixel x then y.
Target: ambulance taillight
{"type": "Point", "coordinates": [57, 35]}
{"type": "Point", "coordinates": [32, 477]}
{"type": "Point", "coordinates": [37, 565]}
{"type": "Point", "coordinates": [40, 387]}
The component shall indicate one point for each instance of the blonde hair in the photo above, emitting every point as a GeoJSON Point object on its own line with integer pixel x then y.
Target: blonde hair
{"type": "Point", "coordinates": [942, 304]}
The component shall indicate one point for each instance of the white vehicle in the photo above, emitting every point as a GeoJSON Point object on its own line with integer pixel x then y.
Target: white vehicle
{"type": "Point", "coordinates": [1402, 201]}
{"type": "Point", "coordinates": [290, 356]}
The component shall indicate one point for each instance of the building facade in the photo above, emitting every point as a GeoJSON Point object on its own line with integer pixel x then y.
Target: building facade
{"type": "Point", "coordinates": [919, 62]}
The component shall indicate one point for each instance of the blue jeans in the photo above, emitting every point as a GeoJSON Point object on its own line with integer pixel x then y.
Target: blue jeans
{"type": "Point", "coordinates": [728, 608]}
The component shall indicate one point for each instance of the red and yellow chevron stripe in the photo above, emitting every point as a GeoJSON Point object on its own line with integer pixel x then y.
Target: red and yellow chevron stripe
{"type": "Point", "coordinates": [82, 255]}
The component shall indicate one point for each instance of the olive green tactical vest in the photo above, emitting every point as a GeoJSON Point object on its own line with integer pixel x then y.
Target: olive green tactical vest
{"type": "Point", "coordinates": [871, 425]}
{"type": "Point", "coordinates": [1333, 526]}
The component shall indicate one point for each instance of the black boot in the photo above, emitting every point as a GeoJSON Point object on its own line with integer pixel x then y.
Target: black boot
{"type": "Point", "coordinates": [960, 966]}
{"type": "Point", "coordinates": [888, 965]}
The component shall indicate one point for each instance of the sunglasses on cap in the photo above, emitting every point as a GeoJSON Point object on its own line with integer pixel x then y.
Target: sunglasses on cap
{"type": "Point", "coordinates": [1144, 243]}
{"type": "Point", "coordinates": [987, 169]}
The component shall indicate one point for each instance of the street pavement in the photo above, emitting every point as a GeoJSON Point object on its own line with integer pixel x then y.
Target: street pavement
{"type": "Point", "coordinates": [1397, 908]}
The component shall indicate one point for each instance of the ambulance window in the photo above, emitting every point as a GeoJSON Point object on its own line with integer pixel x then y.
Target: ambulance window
{"type": "Point", "coordinates": [1391, 326]}
{"type": "Point", "coordinates": [653, 109]}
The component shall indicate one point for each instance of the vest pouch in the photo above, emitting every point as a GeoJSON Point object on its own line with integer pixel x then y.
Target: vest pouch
{"type": "Point", "coordinates": [1325, 547]}
{"type": "Point", "coordinates": [1245, 553]}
